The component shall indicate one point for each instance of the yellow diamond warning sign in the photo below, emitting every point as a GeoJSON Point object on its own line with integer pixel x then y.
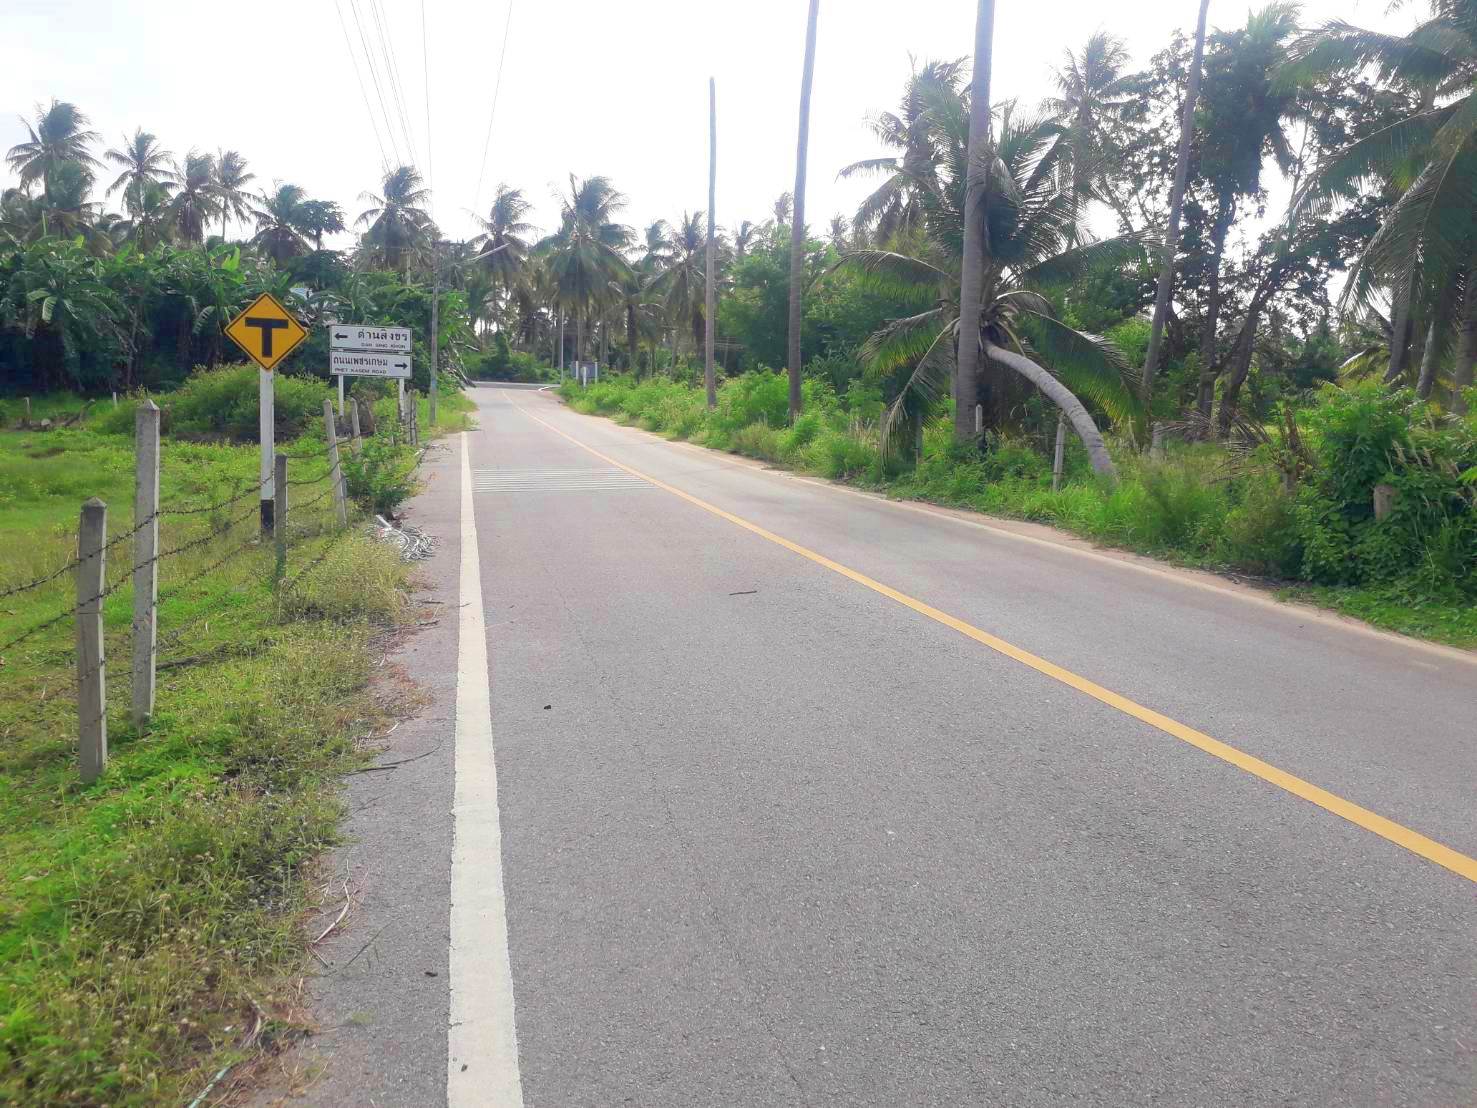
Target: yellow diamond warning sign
{"type": "Point", "coordinates": [266, 331]}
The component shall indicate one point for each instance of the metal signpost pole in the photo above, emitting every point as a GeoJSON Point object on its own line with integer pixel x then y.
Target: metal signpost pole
{"type": "Point", "coordinates": [267, 428]}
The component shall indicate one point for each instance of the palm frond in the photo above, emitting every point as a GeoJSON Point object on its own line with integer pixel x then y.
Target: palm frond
{"type": "Point", "coordinates": [900, 342]}
{"type": "Point", "coordinates": [1088, 258]}
{"type": "Point", "coordinates": [1387, 152]}
{"type": "Point", "coordinates": [1090, 365]}
{"type": "Point", "coordinates": [920, 398]}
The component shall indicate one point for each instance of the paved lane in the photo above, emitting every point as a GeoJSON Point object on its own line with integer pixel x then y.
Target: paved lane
{"type": "Point", "coordinates": [769, 837]}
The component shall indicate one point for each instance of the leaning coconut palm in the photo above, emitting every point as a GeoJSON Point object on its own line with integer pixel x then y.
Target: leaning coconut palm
{"type": "Point", "coordinates": [894, 207]}
{"type": "Point", "coordinates": [229, 175]}
{"type": "Point", "coordinates": [193, 203]}
{"type": "Point", "coordinates": [584, 257]}
{"type": "Point", "coordinates": [1032, 221]}
{"type": "Point", "coordinates": [144, 163]}
{"type": "Point", "coordinates": [58, 137]}
{"type": "Point", "coordinates": [279, 221]}
{"type": "Point", "coordinates": [398, 226]}
{"type": "Point", "coordinates": [1423, 250]}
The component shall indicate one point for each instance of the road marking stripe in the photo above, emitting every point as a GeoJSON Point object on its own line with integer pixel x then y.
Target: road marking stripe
{"type": "Point", "coordinates": [1396, 833]}
{"type": "Point", "coordinates": [482, 1039]}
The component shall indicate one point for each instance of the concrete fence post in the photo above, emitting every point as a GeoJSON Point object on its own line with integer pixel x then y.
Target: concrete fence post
{"type": "Point", "coordinates": [1384, 501]}
{"type": "Point", "coordinates": [1059, 457]}
{"type": "Point", "coordinates": [335, 469]}
{"type": "Point", "coordinates": [92, 699]}
{"type": "Point", "coordinates": [145, 555]}
{"type": "Point", "coordinates": [1156, 442]}
{"type": "Point", "coordinates": [355, 442]}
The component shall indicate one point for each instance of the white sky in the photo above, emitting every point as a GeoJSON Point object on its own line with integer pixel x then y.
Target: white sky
{"type": "Point", "coordinates": [591, 86]}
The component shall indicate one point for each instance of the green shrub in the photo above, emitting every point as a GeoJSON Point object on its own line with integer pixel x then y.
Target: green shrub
{"type": "Point", "coordinates": [1260, 535]}
{"type": "Point", "coordinates": [1180, 510]}
{"type": "Point", "coordinates": [843, 456]}
{"type": "Point", "coordinates": [224, 402]}
{"type": "Point", "coordinates": [381, 477]}
{"type": "Point", "coordinates": [759, 441]}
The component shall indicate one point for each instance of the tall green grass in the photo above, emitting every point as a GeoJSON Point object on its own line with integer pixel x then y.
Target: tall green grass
{"type": "Point", "coordinates": [146, 921]}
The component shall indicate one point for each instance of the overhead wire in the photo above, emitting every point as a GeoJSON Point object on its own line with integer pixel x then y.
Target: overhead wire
{"type": "Point", "coordinates": [392, 69]}
{"type": "Point", "coordinates": [497, 89]}
{"type": "Point", "coordinates": [426, 75]}
{"type": "Point", "coordinates": [374, 78]}
{"type": "Point", "coordinates": [363, 91]}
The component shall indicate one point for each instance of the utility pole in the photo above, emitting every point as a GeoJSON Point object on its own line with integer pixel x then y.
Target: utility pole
{"type": "Point", "coordinates": [711, 323]}
{"type": "Point", "coordinates": [435, 323]}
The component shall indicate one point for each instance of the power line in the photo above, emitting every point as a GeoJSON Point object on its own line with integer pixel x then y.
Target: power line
{"type": "Point", "coordinates": [359, 77]}
{"type": "Point", "coordinates": [426, 76]}
{"type": "Point", "coordinates": [392, 69]}
{"type": "Point", "coordinates": [374, 77]}
{"type": "Point", "coordinates": [497, 88]}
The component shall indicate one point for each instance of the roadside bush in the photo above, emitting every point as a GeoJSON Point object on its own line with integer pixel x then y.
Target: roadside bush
{"type": "Point", "coordinates": [381, 477]}
{"type": "Point", "coordinates": [842, 456]}
{"type": "Point", "coordinates": [759, 441]}
{"type": "Point", "coordinates": [1260, 535]}
{"type": "Point", "coordinates": [1364, 436]}
{"type": "Point", "coordinates": [224, 402]}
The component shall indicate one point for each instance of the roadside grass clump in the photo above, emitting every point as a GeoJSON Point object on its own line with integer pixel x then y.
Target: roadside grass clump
{"type": "Point", "coordinates": [1201, 504]}
{"type": "Point", "coordinates": [223, 402]}
{"type": "Point", "coordinates": [146, 921]}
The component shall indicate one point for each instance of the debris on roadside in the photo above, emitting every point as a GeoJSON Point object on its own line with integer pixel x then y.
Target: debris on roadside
{"type": "Point", "coordinates": [415, 545]}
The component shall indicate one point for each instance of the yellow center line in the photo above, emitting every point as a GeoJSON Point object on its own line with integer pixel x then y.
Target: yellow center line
{"type": "Point", "coordinates": [1396, 833]}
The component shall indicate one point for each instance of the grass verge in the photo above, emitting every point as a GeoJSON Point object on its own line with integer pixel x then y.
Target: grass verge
{"type": "Point", "coordinates": [144, 919]}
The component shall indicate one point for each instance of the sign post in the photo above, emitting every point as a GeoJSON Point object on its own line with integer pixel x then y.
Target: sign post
{"type": "Point", "coordinates": [268, 332]}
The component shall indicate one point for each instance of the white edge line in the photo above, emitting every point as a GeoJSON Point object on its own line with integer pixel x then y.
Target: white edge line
{"type": "Point", "coordinates": [1128, 560]}
{"type": "Point", "coordinates": [482, 1039]}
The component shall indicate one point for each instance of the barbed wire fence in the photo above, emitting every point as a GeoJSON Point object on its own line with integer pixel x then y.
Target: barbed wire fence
{"type": "Point", "coordinates": [295, 527]}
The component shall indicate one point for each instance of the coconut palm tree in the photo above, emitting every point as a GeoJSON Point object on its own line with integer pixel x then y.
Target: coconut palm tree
{"type": "Point", "coordinates": [797, 224]}
{"type": "Point", "coordinates": [585, 256]}
{"type": "Point", "coordinates": [144, 163]}
{"type": "Point", "coordinates": [1094, 93]}
{"type": "Point", "coordinates": [193, 203]}
{"type": "Point", "coordinates": [1167, 249]}
{"type": "Point", "coordinates": [894, 206]}
{"type": "Point", "coordinates": [58, 137]}
{"type": "Point", "coordinates": [149, 224]}
{"type": "Point", "coordinates": [316, 218]}
{"type": "Point", "coordinates": [1244, 109]}
{"type": "Point", "coordinates": [745, 237]}
{"type": "Point", "coordinates": [229, 175]}
{"type": "Point", "coordinates": [1428, 238]}
{"type": "Point", "coordinates": [681, 285]}
{"type": "Point", "coordinates": [279, 223]}
{"type": "Point", "coordinates": [398, 226]}
{"type": "Point", "coordinates": [503, 244]}
{"type": "Point", "coordinates": [62, 211]}
{"type": "Point", "coordinates": [1031, 234]}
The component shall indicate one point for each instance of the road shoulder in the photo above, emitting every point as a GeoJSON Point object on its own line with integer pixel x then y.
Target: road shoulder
{"type": "Point", "coordinates": [376, 993]}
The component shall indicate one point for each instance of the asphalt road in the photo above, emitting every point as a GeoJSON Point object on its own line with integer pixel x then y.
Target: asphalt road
{"type": "Point", "coordinates": [809, 798]}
